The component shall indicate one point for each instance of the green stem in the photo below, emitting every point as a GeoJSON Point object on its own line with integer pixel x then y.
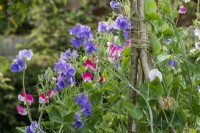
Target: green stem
{"type": "Point", "coordinates": [60, 131]}
{"type": "Point", "coordinates": [27, 106]}
{"type": "Point", "coordinates": [41, 113]}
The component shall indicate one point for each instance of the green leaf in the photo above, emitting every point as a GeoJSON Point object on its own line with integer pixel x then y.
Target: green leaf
{"type": "Point", "coordinates": [125, 62]}
{"type": "Point", "coordinates": [69, 118]}
{"type": "Point", "coordinates": [162, 57]}
{"type": "Point", "coordinates": [65, 2]}
{"type": "Point", "coordinates": [150, 6]}
{"type": "Point", "coordinates": [134, 112]}
{"type": "Point", "coordinates": [155, 89]}
{"type": "Point", "coordinates": [152, 16]}
{"type": "Point", "coordinates": [127, 51]}
{"type": "Point", "coordinates": [155, 44]}
{"type": "Point", "coordinates": [54, 114]}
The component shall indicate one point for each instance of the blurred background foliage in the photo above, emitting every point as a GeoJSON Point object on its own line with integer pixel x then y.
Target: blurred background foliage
{"type": "Point", "coordinates": [43, 26]}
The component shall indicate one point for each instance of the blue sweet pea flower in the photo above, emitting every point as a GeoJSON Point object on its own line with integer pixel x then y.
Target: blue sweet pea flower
{"type": "Point", "coordinates": [76, 43]}
{"type": "Point", "coordinates": [102, 26]}
{"type": "Point", "coordinates": [90, 47]}
{"type": "Point", "coordinates": [114, 5]}
{"type": "Point", "coordinates": [65, 55]}
{"type": "Point", "coordinates": [172, 63]}
{"type": "Point", "coordinates": [18, 65]}
{"type": "Point", "coordinates": [78, 123]}
{"type": "Point", "coordinates": [122, 23]}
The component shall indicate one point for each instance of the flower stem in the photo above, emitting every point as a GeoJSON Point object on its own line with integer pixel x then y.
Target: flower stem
{"type": "Point", "coordinates": [41, 113]}
{"type": "Point", "coordinates": [27, 106]}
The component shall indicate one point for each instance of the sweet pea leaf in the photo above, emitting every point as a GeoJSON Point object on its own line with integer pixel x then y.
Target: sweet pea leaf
{"type": "Point", "coordinates": [127, 51]}
{"type": "Point", "coordinates": [155, 44]}
{"type": "Point", "coordinates": [162, 57]}
{"type": "Point", "coordinates": [155, 89]}
{"type": "Point", "coordinates": [152, 16]}
{"type": "Point", "coordinates": [54, 114]}
{"type": "Point", "coordinates": [125, 62]}
{"type": "Point", "coordinates": [134, 112]}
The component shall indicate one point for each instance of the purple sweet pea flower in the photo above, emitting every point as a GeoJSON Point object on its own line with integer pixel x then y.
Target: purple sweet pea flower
{"type": "Point", "coordinates": [78, 123]}
{"type": "Point", "coordinates": [33, 128]}
{"type": "Point", "coordinates": [197, 45]}
{"type": "Point", "coordinates": [168, 41]}
{"type": "Point", "coordinates": [114, 5]}
{"type": "Point", "coordinates": [182, 9]}
{"type": "Point", "coordinates": [25, 54]}
{"type": "Point", "coordinates": [102, 26]}
{"type": "Point", "coordinates": [122, 23]}
{"type": "Point", "coordinates": [126, 36]}
{"type": "Point", "coordinates": [18, 65]}
{"type": "Point", "coordinates": [74, 54]}
{"type": "Point", "coordinates": [61, 66]}
{"type": "Point", "coordinates": [76, 43]}
{"type": "Point", "coordinates": [90, 47]}
{"type": "Point", "coordinates": [172, 63]}
{"type": "Point", "coordinates": [85, 104]}
{"type": "Point", "coordinates": [65, 55]}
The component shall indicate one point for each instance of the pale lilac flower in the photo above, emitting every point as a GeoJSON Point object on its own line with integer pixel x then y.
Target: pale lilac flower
{"type": "Point", "coordinates": [21, 110]}
{"type": "Point", "coordinates": [155, 73]}
{"type": "Point", "coordinates": [197, 32]}
{"type": "Point", "coordinates": [33, 128]}
{"type": "Point", "coordinates": [182, 9]}
{"type": "Point", "coordinates": [25, 54]}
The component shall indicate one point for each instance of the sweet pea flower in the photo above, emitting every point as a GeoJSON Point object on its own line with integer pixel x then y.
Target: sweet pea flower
{"type": "Point", "coordinates": [87, 76]}
{"type": "Point", "coordinates": [89, 64]}
{"type": "Point", "coordinates": [114, 5]}
{"type": "Point", "coordinates": [25, 54]}
{"type": "Point", "coordinates": [155, 73]}
{"type": "Point", "coordinates": [105, 27]}
{"type": "Point", "coordinates": [172, 63]}
{"type": "Point", "coordinates": [168, 41]}
{"type": "Point", "coordinates": [33, 128]}
{"type": "Point", "coordinates": [78, 123]}
{"type": "Point", "coordinates": [85, 103]}
{"type": "Point", "coordinates": [22, 98]}
{"type": "Point", "coordinates": [21, 110]}
{"type": "Point", "coordinates": [102, 79]}
{"type": "Point", "coordinates": [197, 33]}
{"type": "Point", "coordinates": [45, 99]}
{"type": "Point", "coordinates": [18, 65]}
{"type": "Point", "coordinates": [90, 47]}
{"type": "Point", "coordinates": [122, 23]}
{"type": "Point", "coordinates": [182, 9]}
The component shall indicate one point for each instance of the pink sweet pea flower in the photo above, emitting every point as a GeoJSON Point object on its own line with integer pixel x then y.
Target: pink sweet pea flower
{"type": "Point", "coordinates": [90, 64]}
{"type": "Point", "coordinates": [21, 110]}
{"type": "Point", "coordinates": [87, 76]}
{"type": "Point", "coordinates": [43, 98]}
{"type": "Point", "coordinates": [114, 51]}
{"type": "Point", "coordinates": [50, 93]}
{"type": "Point", "coordinates": [29, 98]}
{"type": "Point", "coordinates": [102, 79]}
{"type": "Point", "coordinates": [182, 9]}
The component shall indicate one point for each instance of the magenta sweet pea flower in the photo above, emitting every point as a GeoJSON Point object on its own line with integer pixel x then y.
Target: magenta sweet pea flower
{"type": "Point", "coordinates": [182, 9]}
{"type": "Point", "coordinates": [29, 98]}
{"type": "Point", "coordinates": [87, 76]}
{"type": "Point", "coordinates": [89, 64]}
{"type": "Point", "coordinates": [43, 98]}
{"type": "Point", "coordinates": [21, 110]}
{"type": "Point", "coordinates": [51, 93]}
{"type": "Point", "coordinates": [102, 79]}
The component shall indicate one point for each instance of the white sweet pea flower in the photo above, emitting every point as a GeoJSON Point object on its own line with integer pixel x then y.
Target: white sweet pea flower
{"type": "Point", "coordinates": [155, 73]}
